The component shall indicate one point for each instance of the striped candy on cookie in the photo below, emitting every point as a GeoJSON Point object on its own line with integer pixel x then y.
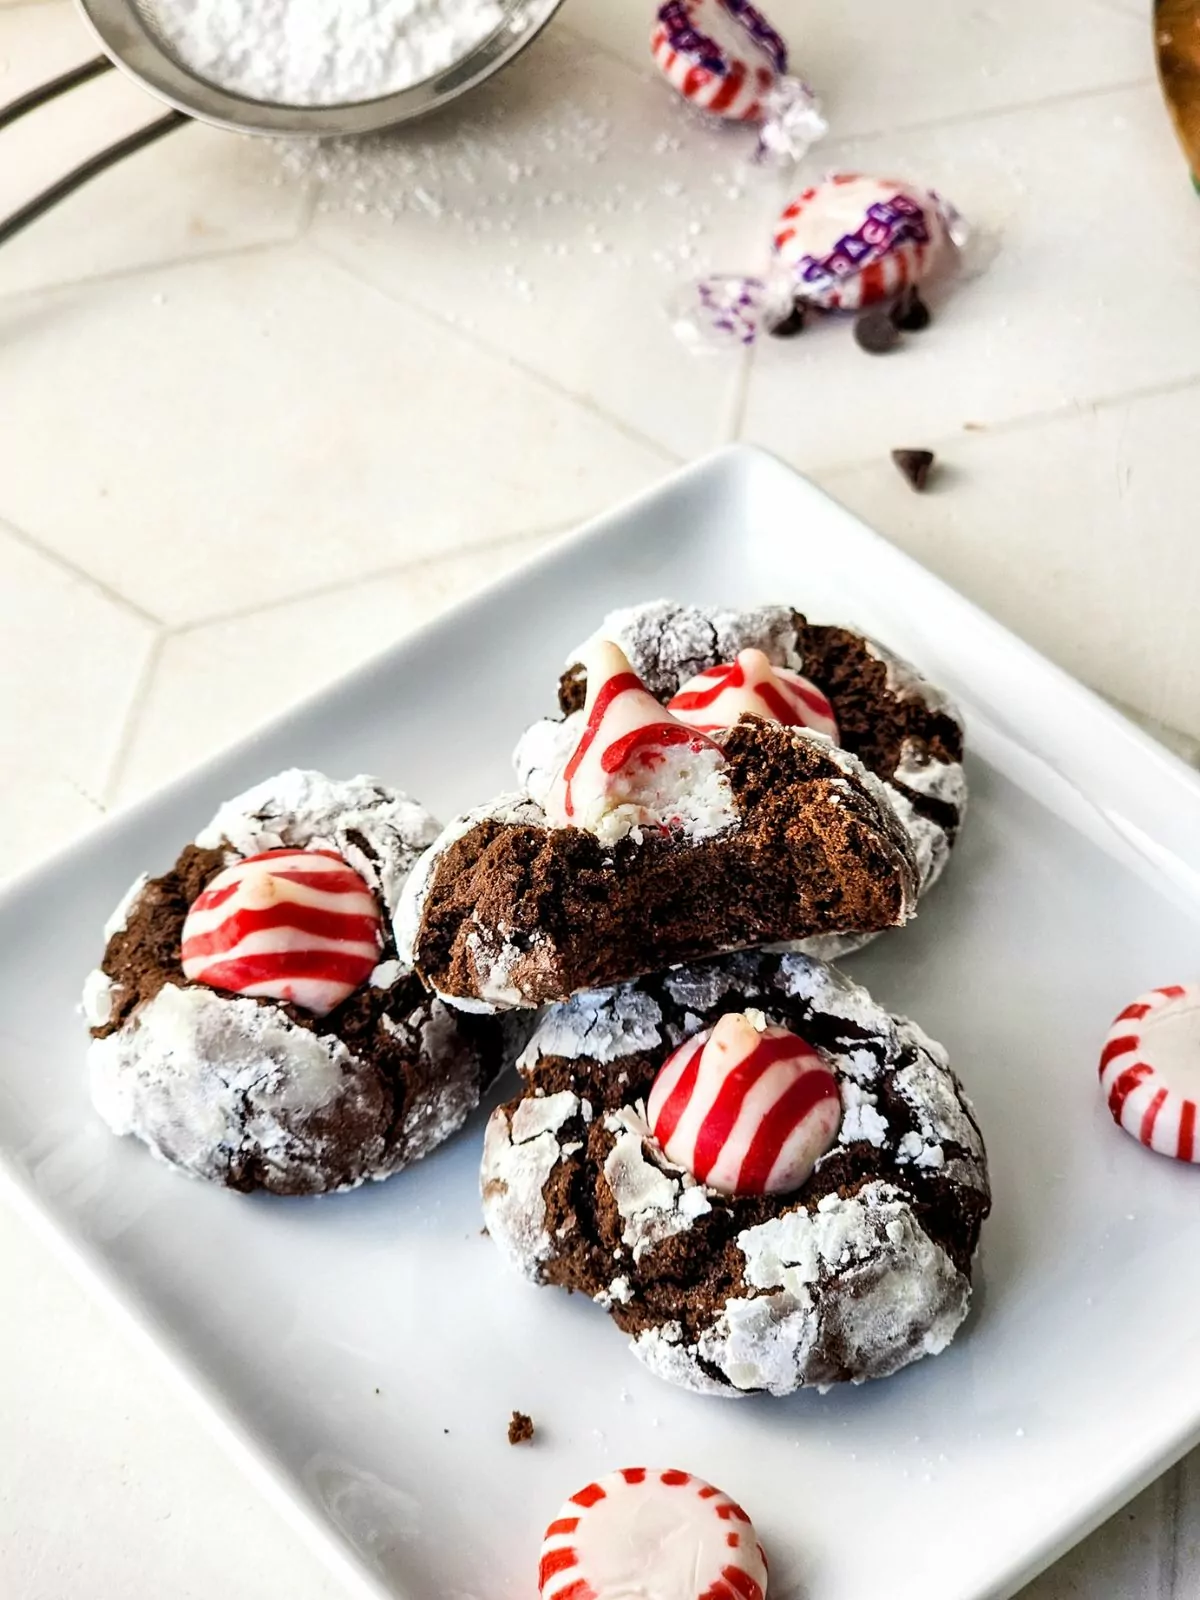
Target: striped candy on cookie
{"type": "Point", "coordinates": [744, 1107]}
{"type": "Point", "coordinates": [853, 241]}
{"type": "Point", "coordinates": [655, 1532]}
{"type": "Point", "coordinates": [1150, 1070]}
{"type": "Point", "coordinates": [294, 925]}
{"type": "Point", "coordinates": [717, 697]}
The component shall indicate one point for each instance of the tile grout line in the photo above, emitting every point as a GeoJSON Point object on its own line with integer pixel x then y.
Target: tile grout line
{"type": "Point", "coordinates": [132, 719]}
{"type": "Point", "coordinates": [47, 292]}
{"type": "Point", "coordinates": [361, 580]}
{"type": "Point", "coordinates": [97, 585]}
{"type": "Point", "coordinates": [437, 320]}
{"type": "Point", "coordinates": [1030, 419]}
{"type": "Point", "coordinates": [1169, 1511]}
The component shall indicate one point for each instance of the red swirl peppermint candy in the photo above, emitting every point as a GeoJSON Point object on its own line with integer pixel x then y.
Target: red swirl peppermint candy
{"type": "Point", "coordinates": [652, 1532]}
{"type": "Point", "coordinates": [724, 57]}
{"type": "Point", "coordinates": [853, 241]}
{"type": "Point", "coordinates": [745, 1108]}
{"type": "Point", "coordinates": [717, 697]}
{"type": "Point", "coordinates": [294, 925]}
{"type": "Point", "coordinates": [1150, 1070]}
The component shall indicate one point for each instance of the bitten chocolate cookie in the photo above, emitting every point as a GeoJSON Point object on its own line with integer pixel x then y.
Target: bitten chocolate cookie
{"type": "Point", "coordinates": [767, 1180]}
{"type": "Point", "coordinates": [703, 664]}
{"type": "Point", "coordinates": [655, 843]}
{"type": "Point", "coordinates": [250, 1021]}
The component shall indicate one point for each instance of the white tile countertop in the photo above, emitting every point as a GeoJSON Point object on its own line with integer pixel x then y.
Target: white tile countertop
{"type": "Point", "coordinates": [262, 412]}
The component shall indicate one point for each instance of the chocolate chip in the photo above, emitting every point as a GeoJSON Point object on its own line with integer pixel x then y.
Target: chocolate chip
{"type": "Point", "coordinates": [916, 466]}
{"type": "Point", "coordinates": [788, 327]}
{"type": "Point", "coordinates": [909, 311]}
{"type": "Point", "coordinates": [875, 332]}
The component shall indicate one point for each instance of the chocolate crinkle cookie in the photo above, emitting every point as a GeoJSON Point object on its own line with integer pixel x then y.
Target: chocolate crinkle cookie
{"type": "Point", "coordinates": [904, 730]}
{"type": "Point", "coordinates": [654, 842]}
{"type": "Point", "coordinates": [251, 1022]}
{"type": "Point", "coordinates": [861, 1265]}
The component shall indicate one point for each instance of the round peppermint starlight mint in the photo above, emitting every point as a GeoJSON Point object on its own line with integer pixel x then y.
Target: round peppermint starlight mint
{"type": "Point", "coordinates": [652, 1532]}
{"type": "Point", "coordinates": [1150, 1070]}
{"type": "Point", "coordinates": [725, 58]}
{"type": "Point", "coordinates": [845, 244]}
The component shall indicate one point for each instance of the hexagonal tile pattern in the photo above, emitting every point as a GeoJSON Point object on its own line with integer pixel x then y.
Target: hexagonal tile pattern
{"type": "Point", "coordinates": [880, 67]}
{"type": "Point", "coordinates": [257, 428]}
{"type": "Point", "coordinates": [72, 659]}
{"type": "Point", "coordinates": [1001, 525]}
{"type": "Point", "coordinates": [1054, 319]}
{"type": "Point", "coordinates": [557, 229]}
{"type": "Point", "coordinates": [213, 684]}
{"type": "Point", "coordinates": [196, 192]}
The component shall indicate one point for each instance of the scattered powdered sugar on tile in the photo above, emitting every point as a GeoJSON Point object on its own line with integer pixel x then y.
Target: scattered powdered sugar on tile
{"type": "Point", "coordinates": [199, 1076]}
{"type": "Point", "coordinates": [655, 1200]}
{"type": "Point", "coordinates": [518, 1157]}
{"type": "Point", "coordinates": [376, 829]}
{"type": "Point", "coordinates": [600, 1024]}
{"type": "Point", "coordinates": [536, 184]}
{"type": "Point", "coordinates": [119, 921]}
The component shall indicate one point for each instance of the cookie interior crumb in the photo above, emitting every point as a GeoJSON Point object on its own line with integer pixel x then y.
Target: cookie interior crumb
{"type": "Point", "coordinates": [520, 1428]}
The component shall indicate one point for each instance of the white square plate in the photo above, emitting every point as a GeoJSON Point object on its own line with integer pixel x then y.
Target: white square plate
{"type": "Point", "coordinates": [363, 1352]}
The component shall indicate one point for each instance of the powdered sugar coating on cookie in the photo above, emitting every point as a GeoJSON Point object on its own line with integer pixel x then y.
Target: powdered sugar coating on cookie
{"type": "Point", "coordinates": [376, 829]}
{"type": "Point", "coordinates": [853, 1278]}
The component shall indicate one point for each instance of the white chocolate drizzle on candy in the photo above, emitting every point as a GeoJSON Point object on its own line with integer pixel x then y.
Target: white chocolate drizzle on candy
{"type": "Point", "coordinates": [293, 925]}
{"type": "Point", "coordinates": [652, 1533]}
{"type": "Point", "coordinates": [717, 697]}
{"type": "Point", "coordinates": [635, 766]}
{"type": "Point", "coordinates": [745, 1108]}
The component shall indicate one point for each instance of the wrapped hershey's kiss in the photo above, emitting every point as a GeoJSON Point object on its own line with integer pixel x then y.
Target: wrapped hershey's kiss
{"type": "Point", "coordinates": [725, 58]}
{"type": "Point", "coordinates": [845, 244]}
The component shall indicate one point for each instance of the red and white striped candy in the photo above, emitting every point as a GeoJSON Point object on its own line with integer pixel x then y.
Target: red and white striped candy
{"type": "Point", "coordinates": [706, 51]}
{"type": "Point", "coordinates": [852, 241]}
{"type": "Point", "coordinates": [621, 758]}
{"type": "Point", "coordinates": [745, 1109]}
{"type": "Point", "coordinates": [1150, 1070]}
{"type": "Point", "coordinates": [653, 1533]}
{"type": "Point", "coordinates": [717, 697]}
{"type": "Point", "coordinates": [294, 925]}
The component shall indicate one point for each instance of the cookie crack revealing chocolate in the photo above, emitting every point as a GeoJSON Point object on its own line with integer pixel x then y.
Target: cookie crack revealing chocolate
{"type": "Point", "coordinates": [507, 911]}
{"type": "Point", "coordinates": [864, 1270]}
{"type": "Point", "coordinates": [256, 1093]}
{"type": "Point", "coordinates": [902, 728]}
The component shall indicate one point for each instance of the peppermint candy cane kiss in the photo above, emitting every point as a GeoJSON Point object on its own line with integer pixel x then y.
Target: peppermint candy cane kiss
{"type": "Point", "coordinates": [717, 697]}
{"type": "Point", "coordinates": [636, 765]}
{"type": "Point", "coordinates": [652, 1532]}
{"type": "Point", "coordinates": [745, 1108]}
{"type": "Point", "coordinates": [294, 925]}
{"type": "Point", "coordinates": [1150, 1070]}
{"type": "Point", "coordinates": [724, 57]}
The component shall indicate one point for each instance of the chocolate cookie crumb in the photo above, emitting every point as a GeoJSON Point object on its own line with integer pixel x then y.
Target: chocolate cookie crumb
{"type": "Point", "coordinates": [909, 311]}
{"type": "Point", "coordinates": [520, 1428]}
{"type": "Point", "coordinates": [916, 465]}
{"type": "Point", "coordinates": [788, 327]}
{"type": "Point", "coordinates": [875, 332]}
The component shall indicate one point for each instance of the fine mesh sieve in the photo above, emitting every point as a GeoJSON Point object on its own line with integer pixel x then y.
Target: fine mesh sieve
{"type": "Point", "coordinates": [132, 41]}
